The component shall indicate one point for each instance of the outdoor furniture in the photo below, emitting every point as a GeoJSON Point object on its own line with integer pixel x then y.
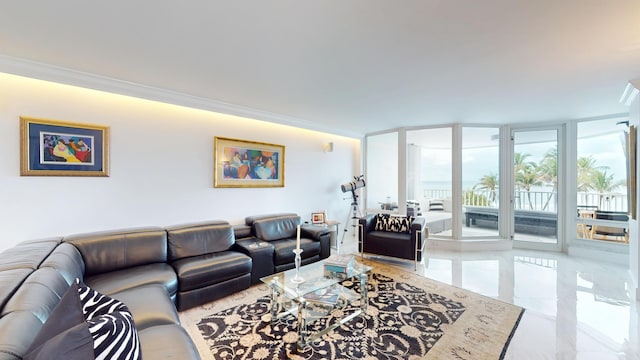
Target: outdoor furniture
{"type": "Point", "coordinates": [603, 232]}
{"type": "Point", "coordinates": [584, 230]}
{"type": "Point", "coordinates": [526, 221]}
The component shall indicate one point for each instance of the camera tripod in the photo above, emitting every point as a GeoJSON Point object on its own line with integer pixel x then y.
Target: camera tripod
{"type": "Point", "coordinates": [354, 214]}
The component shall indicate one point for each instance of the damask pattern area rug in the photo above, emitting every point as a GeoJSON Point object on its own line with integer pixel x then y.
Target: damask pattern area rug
{"type": "Point", "coordinates": [408, 317]}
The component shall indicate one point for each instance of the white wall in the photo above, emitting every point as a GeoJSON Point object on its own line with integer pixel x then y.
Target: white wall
{"type": "Point", "coordinates": [161, 166]}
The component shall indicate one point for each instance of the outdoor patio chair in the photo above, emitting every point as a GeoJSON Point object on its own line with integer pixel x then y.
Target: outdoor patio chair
{"type": "Point", "coordinates": [603, 232]}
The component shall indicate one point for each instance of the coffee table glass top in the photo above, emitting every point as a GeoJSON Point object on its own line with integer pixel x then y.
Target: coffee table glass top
{"type": "Point", "coordinates": [316, 287]}
{"type": "Point", "coordinates": [313, 279]}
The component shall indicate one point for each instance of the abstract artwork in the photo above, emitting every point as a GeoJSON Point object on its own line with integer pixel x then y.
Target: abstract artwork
{"type": "Point", "coordinates": [59, 148]}
{"type": "Point", "coordinates": [240, 163]}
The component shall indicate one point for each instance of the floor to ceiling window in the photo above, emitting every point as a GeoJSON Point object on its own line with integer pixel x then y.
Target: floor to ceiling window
{"type": "Point", "coordinates": [535, 174]}
{"type": "Point", "coordinates": [429, 186]}
{"type": "Point", "coordinates": [601, 181]}
{"type": "Point", "coordinates": [480, 181]}
{"type": "Point", "coordinates": [382, 172]}
{"type": "Point", "coordinates": [477, 182]}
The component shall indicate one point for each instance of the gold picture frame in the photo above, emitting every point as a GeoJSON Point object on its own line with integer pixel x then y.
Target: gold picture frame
{"type": "Point", "coordinates": [63, 148]}
{"type": "Point", "coordinates": [247, 164]}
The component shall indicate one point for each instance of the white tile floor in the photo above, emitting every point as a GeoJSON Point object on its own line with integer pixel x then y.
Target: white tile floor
{"type": "Point", "coordinates": [575, 308]}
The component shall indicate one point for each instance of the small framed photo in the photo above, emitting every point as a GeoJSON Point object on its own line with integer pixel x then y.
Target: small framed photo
{"type": "Point", "coordinates": [60, 148]}
{"type": "Point", "coordinates": [317, 217]}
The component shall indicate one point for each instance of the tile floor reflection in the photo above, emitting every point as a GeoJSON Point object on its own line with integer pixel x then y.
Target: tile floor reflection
{"type": "Point", "coordinates": [575, 308]}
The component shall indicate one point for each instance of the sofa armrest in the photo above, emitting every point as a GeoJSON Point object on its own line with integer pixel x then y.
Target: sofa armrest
{"type": "Point", "coordinates": [368, 222]}
{"type": "Point", "coordinates": [321, 234]}
{"type": "Point", "coordinates": [313, 232]}
{"type": "Point", "coordinates": [419, 233]}
{"type": "Point", "coordinates": [419, 223]}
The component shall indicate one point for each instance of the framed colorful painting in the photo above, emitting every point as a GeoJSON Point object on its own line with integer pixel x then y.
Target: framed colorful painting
{"type": "Point", "coordinates": [60, 148]}
{"type": "Point", "coordinates": [240, 163]}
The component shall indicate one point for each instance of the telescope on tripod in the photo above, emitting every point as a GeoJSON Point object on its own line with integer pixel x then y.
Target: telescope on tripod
{"type": "Point", "coordinates": [354, 211]}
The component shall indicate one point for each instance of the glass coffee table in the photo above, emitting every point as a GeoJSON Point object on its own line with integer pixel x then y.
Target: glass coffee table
{"type": "Point", "coordinates": [315, 296]}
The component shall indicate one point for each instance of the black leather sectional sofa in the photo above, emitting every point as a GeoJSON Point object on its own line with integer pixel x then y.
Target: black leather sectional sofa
{"type": "Point", "coordinates": [155, 271]}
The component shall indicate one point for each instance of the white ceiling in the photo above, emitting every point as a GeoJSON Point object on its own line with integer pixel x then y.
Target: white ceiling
{"type": "Point", "coordinates": [351, 66]}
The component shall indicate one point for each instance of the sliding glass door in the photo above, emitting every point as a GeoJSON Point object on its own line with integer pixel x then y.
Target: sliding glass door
{"type": "Point", "coordinates": [535, 188]}
{"type": "Point", "coordinates": [429, 178]}
{"type": "Point", "coordinates": [480, 182]}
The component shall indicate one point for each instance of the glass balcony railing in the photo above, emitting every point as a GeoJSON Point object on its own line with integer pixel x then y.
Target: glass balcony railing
{"type": "Point", "coordinates": [599, 216]}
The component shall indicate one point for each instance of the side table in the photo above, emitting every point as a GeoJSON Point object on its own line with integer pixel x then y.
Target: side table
{"type": "Point", "coordinates": [334, 227]}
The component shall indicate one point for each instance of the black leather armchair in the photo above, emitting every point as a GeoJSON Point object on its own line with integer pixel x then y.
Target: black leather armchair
{"type": "Point", "coordinates": [408, 244]}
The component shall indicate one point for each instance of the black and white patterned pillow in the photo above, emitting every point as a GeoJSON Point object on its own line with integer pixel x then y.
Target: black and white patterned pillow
{"type": "Point", "coordinates": [382, 222]}
{"type": "Point", "coordinates": [400, 224]}
{"type": "Point", "coordinates": [111, 325]}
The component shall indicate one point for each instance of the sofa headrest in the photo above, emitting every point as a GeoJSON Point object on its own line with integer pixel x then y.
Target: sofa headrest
{"type": "Point", "coordinates": [67, 260]}
{"type": "Point", "coordinates": [282, 227]}
{"type": "Point", "coordinates": [199, 239]}
{"type": "Point", "coordinates": [119, 249]}
{"type": "Point", "coordinates": [27, 255]}
{"type": "Point", "coordinates": [249, 220]}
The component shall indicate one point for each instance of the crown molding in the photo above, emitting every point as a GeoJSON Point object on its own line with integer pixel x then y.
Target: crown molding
{"type": "Point", "coordinates": [630, 92]}
{"type": "Point", "coordinates": [53, 73]}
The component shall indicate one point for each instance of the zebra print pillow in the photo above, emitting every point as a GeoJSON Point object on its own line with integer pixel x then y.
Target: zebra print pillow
{"type": "Point", "coordinates": [386, 222]}
{"type": "Point", "coordinates": [110, 324]}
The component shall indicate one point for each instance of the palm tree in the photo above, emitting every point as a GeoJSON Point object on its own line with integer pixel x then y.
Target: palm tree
{"type": "Point", "coordinates": [520, 163]}
{"type": "Point", "coordinates": [586, 168]}
{"type": "Point", "coordinates": [526, 175]}
{"type": "Point", "coordinates": [548, 170]}
{"type": "Point", "coordinates": [603, 183]}
{"type": "Point", "coordinates": [489, 182]}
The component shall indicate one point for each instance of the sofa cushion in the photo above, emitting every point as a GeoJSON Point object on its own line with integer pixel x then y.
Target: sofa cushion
{"type": "Point", "coordinates": [120, 249]}
{"type": "Point", "coordinates": [115, 281]}
{"type": "Point", "coordinates": [284, 250]}
{"type": "Point", "coordinates": [277, 228]}
{"type": "Point", "coordinates": [17, 331]}
{"type": "Point", "coordinates": [10, 281]}
{"type": "Point", "coordinates": [201, 271]}
{"type": "Point", "coordinates": [199, 238]}
{"type": "Point", "coordinates": [389, 243]}
{"type": "Point", "coordinates": [160, 311]}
